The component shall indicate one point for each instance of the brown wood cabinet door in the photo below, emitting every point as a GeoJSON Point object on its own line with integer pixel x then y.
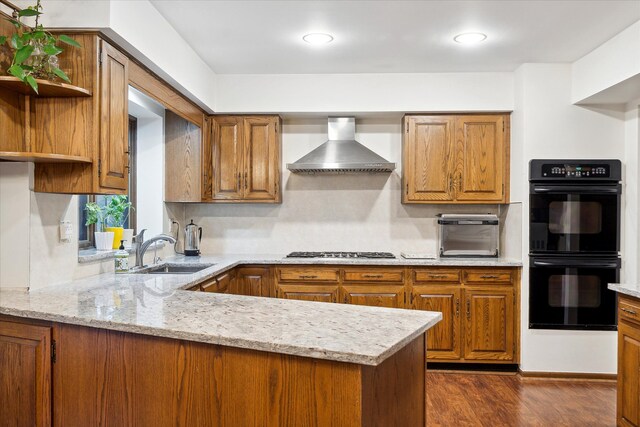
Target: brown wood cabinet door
{"type": "Point", "coordinates": [489, 323]}
{"type": "Point", "coordinates": [428, 159]}
{"type": "Point", "coordinates": [628, 407]}
{"type": "Point", "coordinates": [306, 292]}
{"type": "Point", "coordinates": [444, 339]}
{"type": "Point", "coordinates": [228, 166]}
{"type": "Point", "coordinates": [374, 295]}
{"type": "Point", "coordinates": [261, 159]}
{"type": "Point", "coordinates": [481, 158]}
{"type": "Point", "coordinates": [114, 118]}
{"type": "Point", "coordinates": [225, 282]}
{"type": "Point", "coordinates": [253, 281]}
{"type": "Point", "coordinates": [182, 145]}
{"type": "Point", "coordinates": [25, 379]}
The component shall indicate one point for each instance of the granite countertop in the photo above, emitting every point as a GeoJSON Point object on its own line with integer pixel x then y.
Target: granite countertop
{"type": "Point", "coordinates": [159, 305]}
{"type": "Point", "coordinates": [632, 290]}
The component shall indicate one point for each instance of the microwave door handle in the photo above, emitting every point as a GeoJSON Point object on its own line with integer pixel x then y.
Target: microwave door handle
{"type": "Point", "coordinates": [576, 190]}
{"type": "Point", "coordinates": [589, 264]}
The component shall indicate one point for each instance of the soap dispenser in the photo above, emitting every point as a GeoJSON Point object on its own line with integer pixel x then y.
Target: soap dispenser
{"type": "Point", "coordinates": [121, 259]}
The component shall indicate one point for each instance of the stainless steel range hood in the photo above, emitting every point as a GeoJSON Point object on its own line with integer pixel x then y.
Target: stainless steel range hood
{"type": "Point", "coordinates": [341, 153]}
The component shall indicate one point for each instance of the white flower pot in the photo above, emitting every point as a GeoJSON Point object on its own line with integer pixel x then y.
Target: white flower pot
{"type": "Point", "coordinates": [127, 236]}
{"type": "Point", "coordinates": [104, 240]}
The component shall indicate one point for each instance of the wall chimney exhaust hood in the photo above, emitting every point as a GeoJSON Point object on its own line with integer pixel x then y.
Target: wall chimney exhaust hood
{"type": "Point", "coordinates": [341, 153]}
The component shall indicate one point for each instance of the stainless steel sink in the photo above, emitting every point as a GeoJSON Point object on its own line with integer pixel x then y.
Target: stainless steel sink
{"type": "Point", "coordinates": [175, 269]}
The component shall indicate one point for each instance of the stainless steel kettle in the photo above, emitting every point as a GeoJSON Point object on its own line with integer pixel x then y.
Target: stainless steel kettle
{"type": "Point", "coordinates": [192, 238]}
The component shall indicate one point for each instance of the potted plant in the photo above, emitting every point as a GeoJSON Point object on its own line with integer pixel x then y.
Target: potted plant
{"type": "Point", "coordinates": [96, 215]}
{"type": "Point", "coordinates": [117, 211]}
{"type": "Point", "coordinates": [34, 50]}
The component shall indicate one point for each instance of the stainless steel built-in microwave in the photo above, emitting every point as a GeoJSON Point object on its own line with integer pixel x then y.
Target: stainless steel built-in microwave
{"type": "Point", "coordinates": [468, 235]}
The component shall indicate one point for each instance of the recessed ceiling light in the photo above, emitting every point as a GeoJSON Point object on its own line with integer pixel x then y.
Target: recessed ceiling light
{"type": "Point", "coordinates": [470, 38]}
{"type": "Point", "coordinates": [317, 38]}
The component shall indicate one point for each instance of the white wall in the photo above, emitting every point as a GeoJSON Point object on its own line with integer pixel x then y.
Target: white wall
{"type": "Point", "coordinates": [335, 93]}
{"type": "Point", "coordinates": [546, 125]}
{"type": "Point", "coordinates": [613, 62]}
{"type": "Point", "coordinates": [357, 212]}
{"type": "Point", "coordinates": [14, 224]}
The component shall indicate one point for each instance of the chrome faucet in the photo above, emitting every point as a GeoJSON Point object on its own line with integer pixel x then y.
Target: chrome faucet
{"type": "Point", "coordinates": [142, 245]}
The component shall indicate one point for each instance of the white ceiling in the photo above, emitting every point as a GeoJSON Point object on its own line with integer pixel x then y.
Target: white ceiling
{"type": "Point", "coordinates": [256, 37]}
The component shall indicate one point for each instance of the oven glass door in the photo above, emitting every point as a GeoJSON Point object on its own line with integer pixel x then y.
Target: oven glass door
{"type": "Point", "coordinates": [572, 293]}
{"type": "Point", "coordinates": [574, 219]}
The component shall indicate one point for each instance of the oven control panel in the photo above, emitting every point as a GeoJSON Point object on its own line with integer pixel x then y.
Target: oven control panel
{"type": "Point", "coordinates": [575, 171]}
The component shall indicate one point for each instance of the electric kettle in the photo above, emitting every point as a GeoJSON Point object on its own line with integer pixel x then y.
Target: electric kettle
{"type": "Point", "coordinates": [192, 238]}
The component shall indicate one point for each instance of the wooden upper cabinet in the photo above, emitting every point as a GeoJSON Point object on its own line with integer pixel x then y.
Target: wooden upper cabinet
{"type": "Point", "coordinates": [481, 155]}
{"type": "Point", "coordinates": [113, 166]}
{"type": "Point", "coordinates": [428, 158]}
{"type": "Point", "coordinates": [456, 159]}
{"type": "Point", "coordinates": [182, 145]}
{"type": "Point", "coordinates": [262, 158]}
{"type": "Point", "coordinates": [489, 326]}
{"type": "Point", "coordinates": [228, 158]}
{"type": "Point", "coordinates": [246, 159]}
{"type": "Point", "coordinates": [25, 363]}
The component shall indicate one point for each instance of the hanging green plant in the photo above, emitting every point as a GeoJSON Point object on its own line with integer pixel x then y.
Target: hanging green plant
{"type": "Point", "coordinates": [35, 50]}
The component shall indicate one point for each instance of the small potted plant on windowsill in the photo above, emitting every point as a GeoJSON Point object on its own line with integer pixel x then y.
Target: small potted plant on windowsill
{"type": "Point", "coordinates": [117, 211]}
{"type": "Point", "coordinates": [96, 215]}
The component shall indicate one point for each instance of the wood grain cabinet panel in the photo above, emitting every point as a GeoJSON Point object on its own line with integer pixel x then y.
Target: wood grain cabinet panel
{"type": "Point", "coordinates": [374, 275]}
{"type": "Point", "coordinates": [437, 276]}
{"type": "Point", "coordinates": [392, 296]}
{"type": "Point", "coordinates": [488, 276]}
{"type": "Point", "coordinates": [182, 145]}
{"type": "Point", "coordinates": [309, 274]}
{"type": "Point", "coordinates": [489, 324]}
{"type": "Point", "coordinates": [428, 159]}
{"type": "Point", "coordinates": [246, 159]}
{"type": "Point", "coordinates": [307, 292]}
{"type": "Point", "coordinates": [628, 405]}
{"type": "Point", "coordinates": [444, 339]}
{"type": "Point", "coordinates": [456, 159]}
{"type": "Point", "coordinates": [25, 383]}
{"type": "Point", "coordinates": [252, 281]}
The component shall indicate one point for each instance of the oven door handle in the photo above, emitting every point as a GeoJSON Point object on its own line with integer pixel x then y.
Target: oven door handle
{"type": "Point", "coordinates": [567, 263]}
{"type": "Point", "coordinates": [563, 189]}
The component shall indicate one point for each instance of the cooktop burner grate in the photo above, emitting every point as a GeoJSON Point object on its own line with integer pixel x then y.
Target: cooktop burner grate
{"type": "Point", "coordinates": [341, 255]}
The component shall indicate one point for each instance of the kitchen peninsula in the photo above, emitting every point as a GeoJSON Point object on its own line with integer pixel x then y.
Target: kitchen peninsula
{"type": "Point", "coordinates": [199, 358]}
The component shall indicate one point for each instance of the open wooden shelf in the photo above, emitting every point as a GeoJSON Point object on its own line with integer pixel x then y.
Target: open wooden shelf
{"type": "Point", "coordinates": [27, 156]}
{"type": "Point", "coordinates": [46, 88]}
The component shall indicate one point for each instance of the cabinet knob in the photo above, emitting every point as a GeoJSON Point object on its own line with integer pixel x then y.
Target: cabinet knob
{"type": "Point", "coordinates": [468, 309]}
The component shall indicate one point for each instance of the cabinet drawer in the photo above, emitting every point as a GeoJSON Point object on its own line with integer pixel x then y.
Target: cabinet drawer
{"type": "Point", "coordinates": [384, 275]}
{"type": "Point", "coordinates": [488, 276]}
{"type": "Point", "coordinates": [629, 309]}
{"type": "Point", "coordinates": [436, 275]}
{"type": "Point", "coordinates": [308, 274]}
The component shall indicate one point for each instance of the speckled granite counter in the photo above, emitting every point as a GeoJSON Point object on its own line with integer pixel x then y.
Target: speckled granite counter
{"type": "Point", "coordinates": [158, 305]}
{"type": "Point", "coordinates": [626, 289]}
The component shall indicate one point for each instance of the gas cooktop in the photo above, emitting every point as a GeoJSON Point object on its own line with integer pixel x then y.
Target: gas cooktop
{"type": "Point", "coordinates": [341, 255]}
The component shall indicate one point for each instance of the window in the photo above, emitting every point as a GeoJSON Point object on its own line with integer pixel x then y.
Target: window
{"type": "Point", "coordinates": [85, 233]}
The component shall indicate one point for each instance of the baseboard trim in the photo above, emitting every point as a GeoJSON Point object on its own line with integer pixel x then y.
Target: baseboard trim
{"type": "Point", "coordinates": [568, 375]}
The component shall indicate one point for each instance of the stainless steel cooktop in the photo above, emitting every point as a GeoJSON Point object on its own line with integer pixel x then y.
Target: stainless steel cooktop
{"type": "Point", "coordinates": [341, 255]}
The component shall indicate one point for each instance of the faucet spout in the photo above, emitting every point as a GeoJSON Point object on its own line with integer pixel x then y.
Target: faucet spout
{"type": "Point", "coordinates": [143, 245]}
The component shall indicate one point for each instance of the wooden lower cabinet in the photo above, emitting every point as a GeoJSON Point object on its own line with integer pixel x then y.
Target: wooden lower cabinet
{"type": "Point", "coordinates": [444, 339]}
{"type": "Point", "coordinates": [306, 292]}
{"type": "Point", "coordinates": [489, 324]}
{"type": "Point", "coordinates": [375, 295]}
{"type": "Point", "coordinates": [628, 405]}
{"type": "Point", "coordinates": [252, 281]}
{"type": "Point", "coordinates": [25, 380]}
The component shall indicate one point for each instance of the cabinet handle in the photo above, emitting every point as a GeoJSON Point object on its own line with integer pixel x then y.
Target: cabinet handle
{"type": "Point", "coordinates": [411, 299]}
{"type": "Point", "coordinates": [460, 182]}
{"type": "Point", "coordinates": [437, 276]}
{"type": "Point", "coordinates": [309, 277]}
{"type": "Point", "coordinates": [489, 276]}
{"type": "Point", "coordinates": [245, 180]}
{"type": "Point", "coordinates": [468, 309]}
{"type": "Point", "coordinates": [372, 276]}
{"type": "Point", "coordinates": [457, 307]}
{"type": "Point", "coordinates": [239, 180]}
{"type": "Point", "coordinates": [626, 310]}
{"type": "Point", "coordinates": [345, 299]}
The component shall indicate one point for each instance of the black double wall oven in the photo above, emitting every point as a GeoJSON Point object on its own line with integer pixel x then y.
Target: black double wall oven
{"type": "Point", "coordinates": [574, 232]}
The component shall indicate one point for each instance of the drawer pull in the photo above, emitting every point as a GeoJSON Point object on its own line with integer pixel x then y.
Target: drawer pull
{"type": "Point", "coordinates": [437, 276]}
{"type": "Point", "coordinates": [457, 307]}
{"type": "Point", "coordinates": [312, 276]}
{"type": "Point", "coordinates": [468, 309]}
{"type": "Point", "coordinates": [372, 276]}
{"type": "Point", "coordinates": [626, 310]}
{"type": "Point", "coordinates": [489, 276]}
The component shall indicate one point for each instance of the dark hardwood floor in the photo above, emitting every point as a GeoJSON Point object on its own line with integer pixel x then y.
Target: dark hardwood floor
{"type": "Point", "coordinates": [477, 399]}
